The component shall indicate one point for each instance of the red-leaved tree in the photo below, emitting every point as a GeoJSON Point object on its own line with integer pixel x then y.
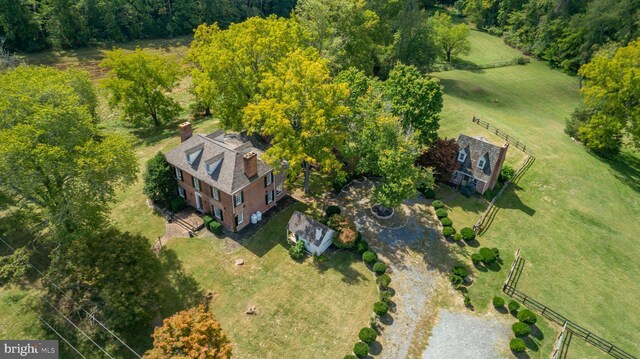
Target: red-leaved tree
{"type": "Point", "coordinates": [442, 157]}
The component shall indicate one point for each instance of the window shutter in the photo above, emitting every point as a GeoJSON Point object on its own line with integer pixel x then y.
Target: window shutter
{"type": "Point", "coordinates": [241, 196]}
{"type": "Point", "coordinates": [266, 198]}
{"type": "Point", "coordinates": [265, 182]}
{"type": "Point", "coordinates": [221, 215]}
{"type": "Point", "coordinates": [193, 181]}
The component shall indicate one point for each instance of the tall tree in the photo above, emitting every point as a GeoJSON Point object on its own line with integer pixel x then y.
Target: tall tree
{"type": "Point", "coordinates": [451, 39]}
{"type": "Point", "coordinates": [302, 111]}
{"type": "Point", "coordinates": [192, 333]}
{"type": "Point", "coordinates": [139, 84]}
{"type": "Point", "coordinates": [160, 183]}
{"type": "Point", "coordinates": [442, 157]}
{"type": "Point", "coordinates": [417, 100]}
{"type": "Point", "coordinates": [229, 64]}
{"type": "Point", "coordinates": [611, 88]}
{"type": "Point", "coordinates": [53, 155]}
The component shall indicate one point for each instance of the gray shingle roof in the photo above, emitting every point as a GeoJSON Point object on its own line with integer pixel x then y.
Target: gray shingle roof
{"type": "Point", "coordinates": [475, 149]}
{"type": "Point", "coordinates": [305, 227]}
{"type": "Point", "coordinates": [229, 174]}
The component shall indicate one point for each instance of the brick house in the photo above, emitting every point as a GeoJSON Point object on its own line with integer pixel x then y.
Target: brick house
{"type": "Point", "coordinates": [480, 163]}
{"type": "Point", "coordinates": [222, 175]}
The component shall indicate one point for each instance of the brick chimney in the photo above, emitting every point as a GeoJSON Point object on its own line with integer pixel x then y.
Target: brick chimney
{"type": "Point", "coordinates": [185, 131]}
{"type": "Point", "coordinates": [251, 164]}
{"type": "Point", "coordinates": [499, 162]}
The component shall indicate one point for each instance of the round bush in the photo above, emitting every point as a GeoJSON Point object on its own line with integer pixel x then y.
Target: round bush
{"type": "Point", "coordinates": [461, 271]}
{"type": "Point", "coordinates": [361, 349]}
{"type": "Point", "coordinates": [456, 280]}
{"type": "Point", "coordinates": [514, 306]}
{"type": "Point", "coordinates": [498, 302]}
{"type": "Point", "coordinates": [379, 268]}
{"type": "Point", "coordinates": [385, 295]}
{"type": "Point", "coordinates": [429, 193]}
{"type": "Point", "coordinates": [369, 257]}
{"type": "Point", "coordinates": [476, 258]}
{"type": "Point", "coordinates": [520, 329]}
{"type": "Point", "coordinates": [380, 308]}
{"type": "Point", "coordinates": [367, 335]}
{"type": "Point", "coordinates": [350, 356]}
{"type": "Point", "coordinates": [527, 317]}
{"type": "Point", "coordinates": [446, 222]}
{"type": "Point", "coordinates": [441, 212]}
{"type": "Point", "coordinates": [383, 281]}
{"type": "Point", "coordinates": [488, 256]}
{"type": "Point", "coordinates": [468, 234]}
{"type": "Point", "coordinates": [331, 210]}
{"type": "Point", "coordinates": [437, 204]}
{"type": "Point", "coordinates": [448, 231]}
{"type": "Point", "coordinates": [346, 232]}
{"type": "Point", "coordinates": [517, 345]}
{"type": "Point", "coordinates": [362, 246]}
{"type": "Point", "coordinates": [457, 238]}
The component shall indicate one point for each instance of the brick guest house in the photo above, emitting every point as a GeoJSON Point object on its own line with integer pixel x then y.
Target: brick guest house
{"type": "Point", "coordinates": [222, 175]}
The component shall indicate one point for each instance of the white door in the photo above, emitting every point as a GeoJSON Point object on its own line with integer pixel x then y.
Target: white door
{"type": "Point", "coordinates": [199, 202]}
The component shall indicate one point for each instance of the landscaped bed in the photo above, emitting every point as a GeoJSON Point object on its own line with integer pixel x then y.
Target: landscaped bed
{"type": "Point", "coordinates": [302, 308]}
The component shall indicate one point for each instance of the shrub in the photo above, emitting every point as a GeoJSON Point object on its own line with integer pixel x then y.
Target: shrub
{"type": "Point", "coordinates": [446, 222]}
{"type": "Point", "coordinates": [215, 226]}
{"type": "Point", "coordinates": [338, 185]}
{"type": "Point", "coordinates": [506, 173]}
{"type": "Point", "coordinates": [207, 219]}
{"type": "Point", "coordinates": [379, 268]}
{"type": "Point", "coordinates": [331, 210]}
{"type": "Point", "coordinates": [487, 254]}
{"type": "Point", "coordinates": [528, 317]}
{"type": "Point", "coordinates": [448, 231]}
{"type": "Point", "coordinates": [458, 237]}
{"type": "Point", "coordinates": [441, 212]}
{"type": "Point", "coordinates": [456, 280]}
{"type": "Point", "coordinates": [367, 335]}
{"type": "Point", "coordinates": [514, 306]}
{"type": "Point", "coordinates": [437, 204]}
{"type": "Point", "coordinates": [350, 356]}
{"type": "Point", "coordinates": [468, 234]}
{"type": "Point", "coordinates": [384, 295]}
{"type": "Point", "coordinates": [361, 245]}
{"type": "Point", "coordinates": [297, 250]}
{"type": "Point", "coordinates": [383, 281]}
{"type": "Point", "coordinates": [467, 300]}
{"type": "Point", "coordinates": [177, 204]}
{"type": "Point", "coordinates": [461, 271]}
{"type": "Point", "coordinates": [361, 349]}
{"type": "Point", "coordinates": [517, 345]}
{"type": "Point", "coordinates": [369, 257]}
{"type": "Point", "coordinates": [496, 252]}
{"type": "Point", "coordinates": [520, 329]}
{"type": "Point", "coordinates": [380, 308]}
{"type": "Point", "coordinates": [476, 258]}
{"type": "Point", "coordinates": [428, 193]}
{"type": "Point", "coordinates": [498, 302]}
{"type": "Point", "coordinates": [347, 234]}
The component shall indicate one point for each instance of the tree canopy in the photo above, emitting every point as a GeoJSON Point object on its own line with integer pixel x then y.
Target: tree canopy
{"type": "Point", "coordinates": [160, 183]}
{"type": "Point", "coordinates": [139, 84]}
{"type": "Point", "coordinates": [451, 39]}
{"type": "Point", "coordinates": [53, 155]}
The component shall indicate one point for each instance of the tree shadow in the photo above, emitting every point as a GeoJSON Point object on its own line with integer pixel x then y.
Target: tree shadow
{"type": "Point", "coordinates": [625, 167]}
{"type": "Point", "coordinates": [523, 355]}
{"type": "Point", "coordinates": [536, 332]}
{"type": "Point", "coordinates": [375, 348]}
{"type": "Point", "coordinates": [179, 290]}
{"type": "Point", "coordinates": [386, 319]}
{"type": "Point", "coordinates": [531, 344]}
{"type": "Point", "coordinates": [342, 261]}
{"type": "Point", "coordinates": [502, 310]}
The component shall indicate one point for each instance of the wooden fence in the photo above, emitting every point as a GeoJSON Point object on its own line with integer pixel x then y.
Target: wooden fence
{"type": "Point", "coordinates": [512, 140]}
{"type": "Point", "coordinates": [562, 344]}
{"type": "Point", "coordinates": [471, 66]}
{"type": "Point", "coordinates": [572, 328]}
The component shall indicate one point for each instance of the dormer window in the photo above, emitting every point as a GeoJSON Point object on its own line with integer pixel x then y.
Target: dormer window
{"type": "Point", "coordinates": [481, 163]}
{"type": "Point", "coordinates": [191, 156]}
{"type": "Point", "coordinates": [462, 156]}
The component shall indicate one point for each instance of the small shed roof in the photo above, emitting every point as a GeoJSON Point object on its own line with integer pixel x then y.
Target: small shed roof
{"type": "Point", "coordinates": [305, 228]}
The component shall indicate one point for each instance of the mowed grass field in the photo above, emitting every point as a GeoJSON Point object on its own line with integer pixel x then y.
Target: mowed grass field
{"type": "Point", "coordinates": [574, 216]}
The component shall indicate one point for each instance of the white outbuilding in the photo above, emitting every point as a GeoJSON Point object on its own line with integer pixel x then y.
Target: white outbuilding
{"type": "Point", "coordinates": [316, 236]}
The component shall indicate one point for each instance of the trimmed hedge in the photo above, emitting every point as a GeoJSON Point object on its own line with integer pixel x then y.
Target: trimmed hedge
{"type": "Point", "coordinates": [177, 204]}
{"type": "Point", "coordinates": [384, 295]}
{"type": "Point", "coordinates": [429, 193]}
{"type": "Point", "coordinates": [361, 245]}
{"type": "Point", "coordinates": [369, 257]}
{"type": "Point", "coordinates": [476, 258]}
{"type": "Point", "coordinates": [514, 306]}
{"type": "Point", "coordinates": [457, 237]}
{"type": "Point", "coordinates": [446, 222]}
{"type": "Point", "coordinates": [456, 280]}
{"type": "Point", "coordinates": [441, 213]}
{"type": "Point", "coordinates": [379, 268]}
{"type": "Point", "coordinates": [461, 271]}
{"type": "Point", "coordinates": [367, 335]}
{"type": "Point", "coordinates": [468, 234]}
{"type": "Point", "coordinates": [517, 345]}
{"type": "Point", "coordinates": [498, 302]}
{"type": "Point", "coordinates": [383, 281]}
{"type": "Point", "coordinates": [437, 204]}
{"type": "Point", "coordinates": [448, 231]}
{"type": "Point", "coordinates": [331, 210]}
{"type": "Point", "coordinates": [521, 330]}
{"type": "Point", "coordinates": [380, 308]}
{"type": "Point", "coordinates": [488, 256]}
{"type": "Point", "coordinates": [527, 317]}
{"type": "Point", "coordinates": [496, 252]}
{"type": "Point", "coordinates": [361, 349]}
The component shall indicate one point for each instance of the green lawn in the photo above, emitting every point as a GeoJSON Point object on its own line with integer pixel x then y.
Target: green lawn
{"type": "Point", "coordinates": [487, 49]}
{"type": "Point", "coordinates": [574, 216]}
{"type": "Point", "coordinates": [304, 309]}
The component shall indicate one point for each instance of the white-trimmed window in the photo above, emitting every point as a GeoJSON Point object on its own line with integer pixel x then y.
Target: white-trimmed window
{"type": "Point", "coordinates": [455, 175]}
{"type": "Point", "coordinates": [481, 162]}
{"type": "Point", "coordinates": [279, 189]}
{"type": "Point", "coordinates": [178, 174]}
{"type": "Point", "coordinates": [238, 198]}
{"type": "Point", "coordinates": [196, 183]}
{"type": "Point", "coordinates": [268, 179]}
{"type": "Point", "coordinates": [462, 156]}
{"type": "Point", "coordinates": [181, 192]}
{"type": "Point", "coordinates": [217, 212]}
{"type": "Point", "coordinates": [269, 197]}
{"type": "Point", "coordinates": [239, 218]}
{"type": "Point", "coordinates": [215, 193]}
